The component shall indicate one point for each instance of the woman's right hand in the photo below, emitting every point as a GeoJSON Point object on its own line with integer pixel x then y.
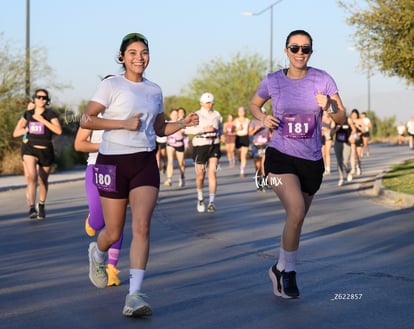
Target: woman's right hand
{"type": "Point", "coordinates": [271, 122]}
{"type": "Point", "coordinates": [133, 123]}
{"type": "Point", "coordinates": [30, 106]}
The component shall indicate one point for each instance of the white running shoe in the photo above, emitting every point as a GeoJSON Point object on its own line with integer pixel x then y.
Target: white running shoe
{"type": "Point", "coordinates": [211, 207]}
{"type": "Point", "coordinates": [200, 206]}
{"type": "Point", "coordinates": [136, 306]}
{"type": "Point", "coordinates": [97, 271]}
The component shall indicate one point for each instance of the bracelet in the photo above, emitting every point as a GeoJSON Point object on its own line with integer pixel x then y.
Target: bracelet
{"type": "Point", "coordinates": [180, 123]}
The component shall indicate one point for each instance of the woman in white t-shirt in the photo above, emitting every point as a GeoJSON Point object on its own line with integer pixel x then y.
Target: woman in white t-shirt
{"type": "Point", "coordinates": [242, 138]}
{"type": "Point", "coordinates": [366, 133]}
{"type": "Point", "coordinates": [126, 170]}
{"type": "Point", "coordinates": [401, 133]}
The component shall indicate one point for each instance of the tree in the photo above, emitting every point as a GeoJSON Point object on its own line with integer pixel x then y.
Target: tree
{"type": "Point", "coordinates": [174, 102]}
{"type": "Point", "coordinates": [382, 128]}
{"type": "Point", "coordinates": [384, 34]}
{"type": "Point", "coordinates": [12, 87]}
{"type": "Point", "coordinates": [232, 83]}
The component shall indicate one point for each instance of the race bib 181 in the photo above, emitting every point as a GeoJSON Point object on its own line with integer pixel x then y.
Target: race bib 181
{"type": "Point", "coordinates": [298, 125]}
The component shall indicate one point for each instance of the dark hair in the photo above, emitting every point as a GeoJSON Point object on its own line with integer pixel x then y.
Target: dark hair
{"type": "Point", "coordinates": [355, 111]}
{"type": "Point", "coordinates": [183, 109]}
{"type": "Point", "coordinates": [127, 40]}
{"type": "Point", "coordinates": [43, 90]}
{"type": "Point", "coordinates": [107, 76]}
{"type": "Point", "coordinates": [298, 32]}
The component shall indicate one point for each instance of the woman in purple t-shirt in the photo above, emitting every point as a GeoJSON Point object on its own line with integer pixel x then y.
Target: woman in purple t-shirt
{"type": "Point", "coordinates": [294, 164]}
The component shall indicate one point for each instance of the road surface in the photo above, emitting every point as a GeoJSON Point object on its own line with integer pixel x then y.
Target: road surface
{"type": "Point", "coordinates": [355, 269]}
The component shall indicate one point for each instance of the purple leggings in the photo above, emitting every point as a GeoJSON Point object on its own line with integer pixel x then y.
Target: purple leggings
{"type": "Point", "coordinates": [96, 218]}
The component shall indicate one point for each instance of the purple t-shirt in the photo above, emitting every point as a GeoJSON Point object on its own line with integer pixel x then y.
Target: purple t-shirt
{"type": "Point", "coordinates": [294, 104]}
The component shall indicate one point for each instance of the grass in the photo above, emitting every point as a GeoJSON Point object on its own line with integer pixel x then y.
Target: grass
{"type": "Point", "coordinates": [400, 178]}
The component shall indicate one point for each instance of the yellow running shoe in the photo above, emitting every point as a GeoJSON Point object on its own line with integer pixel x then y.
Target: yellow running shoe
{"type": "Point", "coordinates": [88, 229]}
{"type": "Point", "coordinates": [112, 272]}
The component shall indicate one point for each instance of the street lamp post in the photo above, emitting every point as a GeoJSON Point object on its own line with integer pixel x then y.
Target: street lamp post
{"type": "Point", "coordinates": [369, 79]}
{"type": "Point", "coordinates": [270, 8]}
{"type": "Point", "coordinates": [27, 60]}
{"type": "Point", "coordinates": [369, 90]}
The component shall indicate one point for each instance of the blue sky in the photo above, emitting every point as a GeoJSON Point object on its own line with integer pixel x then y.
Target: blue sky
{"type": "Point", "coordinates": [82, 39]}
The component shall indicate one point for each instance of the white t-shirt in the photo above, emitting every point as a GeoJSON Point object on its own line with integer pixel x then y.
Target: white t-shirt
{"type": "Point", "coordinates": [410, 127]}
{"type": "Point", "coordinates": [162, 139]}
{"type": "Point", "coordinates": [96, 137]}
{"type": "Point", "coordinates": [244, 131]}
{"type": "Point", "coordinates": [401, 129]}
{"type": "Point", "coordinates": [206, 118]}
{"type": "Point", "coordinates": [122, 99]}
{"type": "Point", "coordinates": [367, 123]}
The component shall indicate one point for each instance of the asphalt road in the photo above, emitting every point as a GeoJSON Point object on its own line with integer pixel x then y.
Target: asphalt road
{"type": "Point", "coordinates": [355, 270]}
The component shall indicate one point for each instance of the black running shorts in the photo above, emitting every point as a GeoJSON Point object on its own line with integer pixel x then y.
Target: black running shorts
{"type": "Point", "coordinates": [310, 173]}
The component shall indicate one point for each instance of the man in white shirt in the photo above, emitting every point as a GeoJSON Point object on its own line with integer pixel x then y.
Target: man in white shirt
{"type": "Point", "coordinates": [206, 149]}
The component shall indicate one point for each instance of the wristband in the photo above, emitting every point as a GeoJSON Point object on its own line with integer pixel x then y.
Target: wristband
{"type": "Point", "coordinates": [180, 123]}
{"type": "Point", "coordinates": [332, 109]}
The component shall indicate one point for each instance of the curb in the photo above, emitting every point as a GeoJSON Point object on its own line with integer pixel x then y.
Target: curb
{"type": "Point", "coordinates": [399, 199]}
{"type": "Point", "coordinates": [23, 186]}
{"type": "Point", "coordinates": [15, 182]}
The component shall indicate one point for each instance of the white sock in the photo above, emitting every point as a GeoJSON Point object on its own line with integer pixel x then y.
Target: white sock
{"type": "Point", "coordinates": [200, 194]}
{"type": "Point", "coordinates": [211, 198]}
{"type": "Point", "coordinates": [99, 256]}
{"type": "Point", "coordinates": [281, 261]}
{"type": "Point", "coordinates": [136, 276]}
{"type": "Point", "coordinates": [290, 260]}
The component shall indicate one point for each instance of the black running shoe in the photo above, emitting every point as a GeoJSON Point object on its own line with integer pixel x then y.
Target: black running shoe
{"type": "Point", "coordinates": [41, 214]}
{"type": "Point", "coordinates": [32, 212]}
{"type": "Point", "coordinates": [289, 288]}
{"type": "Point", "coordinates": [275, 276]}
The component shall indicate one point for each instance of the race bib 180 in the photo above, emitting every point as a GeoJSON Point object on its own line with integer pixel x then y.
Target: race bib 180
{"type": "Point", "coordinates": [104, 177]}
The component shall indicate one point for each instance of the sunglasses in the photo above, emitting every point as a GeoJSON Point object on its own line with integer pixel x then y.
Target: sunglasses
{"type": "Point", "coordinates": [136, 36]}
{"type": "Point", "coordinates": [42, 97]}
{"type": "Point", "coordinates": [295, 48]}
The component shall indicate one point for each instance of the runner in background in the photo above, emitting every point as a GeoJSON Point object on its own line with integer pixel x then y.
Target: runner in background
{"type": "Point", "coordinates": [88, 141]}
{"type": "Point", "coordinates": [175, 149]}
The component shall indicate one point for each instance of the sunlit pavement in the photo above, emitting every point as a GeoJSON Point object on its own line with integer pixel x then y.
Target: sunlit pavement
{"type": "Point", "coordinates": [355, 270]}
